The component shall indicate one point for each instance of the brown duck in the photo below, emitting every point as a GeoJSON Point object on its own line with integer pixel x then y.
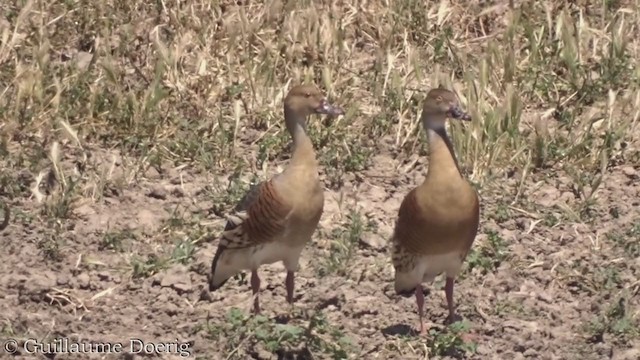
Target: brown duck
{"type": "Point", "coordinates": [438, 220]}
{"type": "Point", "coordinates": [277, 218]}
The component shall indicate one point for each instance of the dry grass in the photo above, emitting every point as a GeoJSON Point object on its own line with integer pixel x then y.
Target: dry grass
{"type": "Point", "coordinates": [95, 96]}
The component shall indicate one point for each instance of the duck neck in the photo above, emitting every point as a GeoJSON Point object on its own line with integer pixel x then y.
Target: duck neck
{"type": "Point", "coordinates": [442, 158]}
{"type": "Point", "coordinates": [303, 154]}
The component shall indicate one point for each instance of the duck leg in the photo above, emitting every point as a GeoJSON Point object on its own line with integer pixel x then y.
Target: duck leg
{"type": "Point", "coordinates": [420, 302]}
{"type": "Point", "coordinates": [448, 291]}
{"type": "Point", "coordinates": [255, 288]}
{"type": "Point", "coordinates": [289, 282]}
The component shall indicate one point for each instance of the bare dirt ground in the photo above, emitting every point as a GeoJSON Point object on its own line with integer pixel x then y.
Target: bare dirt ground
{"type": "Point", "coordinates": [128, 131]}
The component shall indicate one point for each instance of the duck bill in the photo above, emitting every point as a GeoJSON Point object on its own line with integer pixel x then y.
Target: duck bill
{"type": "Point", "coordinates": [329, 109]}
{"type": "Point", "coordinates": [456, 113]}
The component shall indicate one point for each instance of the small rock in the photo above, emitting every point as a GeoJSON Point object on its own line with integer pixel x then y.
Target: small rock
{"type": "Point", "coordinates": [177, 278]}
{"type": "Point", "coordinates": [152, 174]}
{"type": "Point", "coordinates": [177, 192]}
{"type": "Point", "coordinates": [200, 267]}
{"type": "Point", "coordinates": [548, 196]}
{"type": "Point", "coordinates": [205, 295]}
{"type": "Point", "coordinates": [104, 276]}
{"type": "Point", "coordinates": [4, 24]}
{"type": "Point", "coordinates": [631, 354]}
{"type": "Point", "coordinates": [158, 192]}
{"type": "Point", "coordinates": [364, 305]}
{"type": "Point", "coordinates": [545, 297]}
{"type": "Point", "coordinates": [171, 309]}
{"type": "Point", "coordinates": [630, 172]}
{"type": "Point", "coordinates": [83, 59]}
{"type": "Point", "coordinates": [147, 219]}
{"type": "Point", "coordinates": [510, 235]}
{"type": "Point", "coordinates": [262, 354]}
{"type": "Point", "coordinates": [83, 280]}
{"type": "Point", "coordinates": [62, 280]}
{"type": "Point", "coordinates": [84, 210]}
{"type": "Point", "coordinates": [44, 282]}
{"type": "Point", "coordinates": [483, 350]}
{"type": "Point", "coordinates": [373, 241]}
{"type": "Point", "coordinates": [133, 286]}
{"type": "Point", "coordinates": [163, 297]}
{"type": "Point", "coordinates": [530, 353]}
{"type": "Point", "coordinates": [184, 286]}
{"type": "Point", "coordinates": [567, 197]}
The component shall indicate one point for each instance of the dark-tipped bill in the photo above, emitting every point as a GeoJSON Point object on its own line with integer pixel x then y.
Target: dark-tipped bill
{"type": "Point", "coordinates": [328, 109]}
{"type": "Point", "coordinates": [457, 113]}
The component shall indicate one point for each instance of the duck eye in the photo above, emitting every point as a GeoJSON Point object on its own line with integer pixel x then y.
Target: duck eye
{"type": "Point", "coordinates": [439, 99]}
